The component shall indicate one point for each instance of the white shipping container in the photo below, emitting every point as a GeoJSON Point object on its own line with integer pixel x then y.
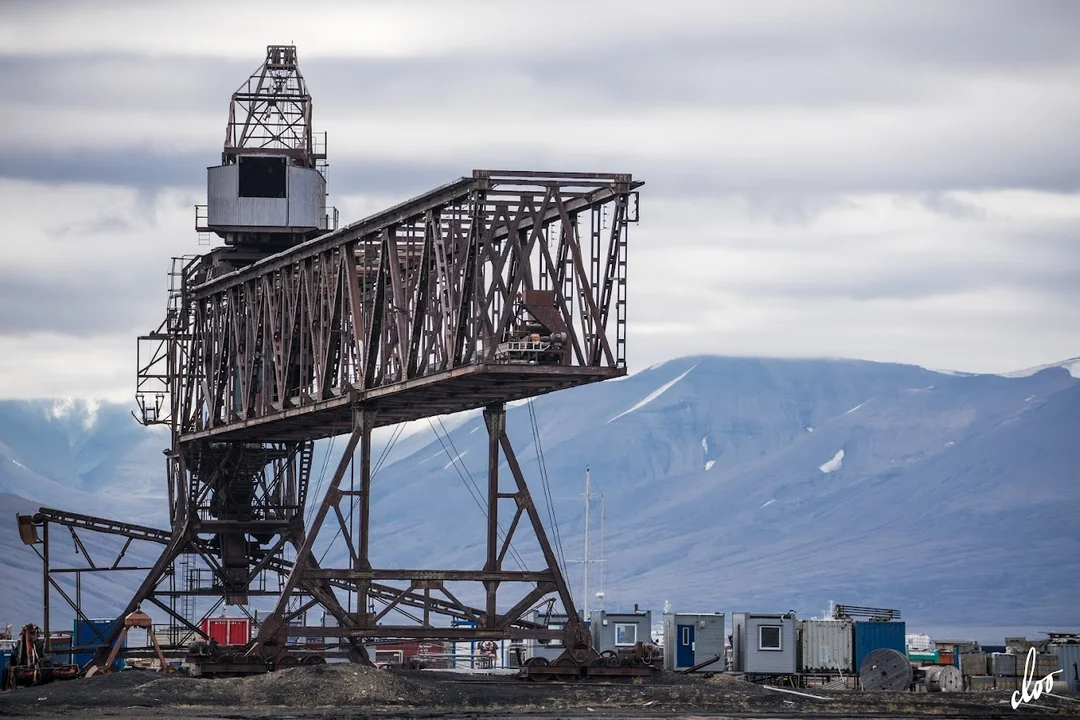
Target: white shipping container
{"type": "Point", "coordinates": [825, 645]}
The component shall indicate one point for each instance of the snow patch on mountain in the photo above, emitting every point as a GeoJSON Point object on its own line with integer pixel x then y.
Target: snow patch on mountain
{"type": "Point", "coordinates": [708, 465]}
{"type": "Point", "coordinates": [651, 396]}
{"type": "Point", "coordinates": [856, 407]}
{"type": "Point", "coordinates": [833, 465]}
{"type": "Point", "coordinates": [1072, 365]}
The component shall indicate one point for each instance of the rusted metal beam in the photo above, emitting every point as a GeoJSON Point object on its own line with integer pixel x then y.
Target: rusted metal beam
{"type": "Point", "coordinates": [440, 575]}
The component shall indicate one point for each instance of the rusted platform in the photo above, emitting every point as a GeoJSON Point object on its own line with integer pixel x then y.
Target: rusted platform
{"type": "Point", "coordinates": [466, 388]}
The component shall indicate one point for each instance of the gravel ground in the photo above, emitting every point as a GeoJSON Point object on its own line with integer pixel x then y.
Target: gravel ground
{"type": "Point", "coordinates": [350, 691]}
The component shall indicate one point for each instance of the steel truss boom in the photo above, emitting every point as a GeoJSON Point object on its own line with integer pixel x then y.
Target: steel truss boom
{"type": "Point", "coordinates": [493, 288]}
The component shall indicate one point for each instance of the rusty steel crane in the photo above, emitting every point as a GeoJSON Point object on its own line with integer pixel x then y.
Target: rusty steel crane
{"type": "Point", "coordinates": [495, 287]}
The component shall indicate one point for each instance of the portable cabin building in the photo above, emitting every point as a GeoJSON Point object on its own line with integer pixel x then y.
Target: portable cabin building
{"type": "Point", "coordinates": [694, 638]}
{"type": "Point", "coordinates": [825, 645]}
{"type": "Point", "coordinates": [7, 647]}
{"type": "Point", "coordinates": [763, 643]}
{"type": "Point", "coordinates": [620, 631]}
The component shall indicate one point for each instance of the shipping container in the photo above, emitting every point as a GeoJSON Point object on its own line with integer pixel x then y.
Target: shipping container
{"type": "Point", "coordinates": [924, 657]}
{"type": "Point", "coordinates": [1009, 665]}
{"type": "Point", "coordinates": [60, 648]}
{"type": "Point", "coordinates": [1003, 664]}
{"type": "Point", "coordinates": [693, 638]}
{"type": "Point", "coordinates": [763, 644]}
{"type": "Point", "coordinates": [972, 664]}
{"type": "Point", "coordinates": [93, 633]}
{"type": "Point", "coordinates": [1069, 659]}
{"type": "Point", "coordinates": [825, 645]}
{"type": "Point", "coordinates": [1045, 664]}
{"type": "Point", "coordinates": [227, 630]}
{"type": "Point", "coordinates": [871, 635]}
{"type": "Point", "coordinates": [946, 657]}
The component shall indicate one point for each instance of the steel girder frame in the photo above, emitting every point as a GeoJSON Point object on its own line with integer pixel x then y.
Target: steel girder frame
{"type": "Point", "coordinates": [35, 532]}
{"type": "Point", "coordinates": [396, 317]}
{"type": "Point", "coordinates": [360, 576]}
{"type": "Point", "coordinates": [420, 292]}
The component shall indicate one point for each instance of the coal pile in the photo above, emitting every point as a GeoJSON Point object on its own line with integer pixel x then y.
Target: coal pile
{"type": "Point", "coordinates": [343, 690]}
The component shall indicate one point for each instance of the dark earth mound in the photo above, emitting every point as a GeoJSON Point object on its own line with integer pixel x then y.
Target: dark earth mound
{"type": "Point", "coordinates": [350, 691]}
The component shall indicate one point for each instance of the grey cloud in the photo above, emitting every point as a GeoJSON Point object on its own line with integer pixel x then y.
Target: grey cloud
{"type": "Point", "coordinates": [85, 303]}
{"type": "Point", "coordinates": [881, 53]}
{"type": "Point", "coordinates": [132, 167]}
{"type": "Point", "coordinates": [791, 196]}
{"type": "Point", "coordinates": [150, 171]}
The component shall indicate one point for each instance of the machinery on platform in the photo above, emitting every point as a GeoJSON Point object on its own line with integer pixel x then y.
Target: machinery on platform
{"type": "Point", "coordinates": [31, 663]}
{"type": "Point", "coordinates": [495, 287]}
{"type": "Point", "coordinates": [136, 619]}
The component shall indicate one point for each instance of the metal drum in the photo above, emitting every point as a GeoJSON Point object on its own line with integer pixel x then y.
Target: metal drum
{"type": "Point", "coordinates": [885, 669]}
{"type": "Point", "coordinates": [943, 678]}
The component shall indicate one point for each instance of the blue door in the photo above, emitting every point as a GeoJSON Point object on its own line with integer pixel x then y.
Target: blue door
{"type": "Point", "coordinates": [684, 647]}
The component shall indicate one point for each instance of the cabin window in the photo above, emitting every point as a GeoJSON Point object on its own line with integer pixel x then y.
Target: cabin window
{"type": "Point", "coordinates": [769, 637]}
{"type": "Point", "coordinates": [262, 177]}
{"type": "Point", "coordinates": [625, 634]}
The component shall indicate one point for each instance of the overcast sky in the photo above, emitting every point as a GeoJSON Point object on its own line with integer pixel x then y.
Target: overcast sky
{"type": "Point", "coordinates": [894, 181]}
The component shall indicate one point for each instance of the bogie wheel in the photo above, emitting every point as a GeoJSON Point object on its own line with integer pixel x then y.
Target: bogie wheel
{"type": "Point", "coordinates": [313, 660]}
{"type": "Point", "coordinates": [287, 662]}
{"type": "Point", "coordinates": [534, 664]}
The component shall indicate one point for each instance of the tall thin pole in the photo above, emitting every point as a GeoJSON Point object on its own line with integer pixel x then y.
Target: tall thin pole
{"type": "Point", "coordinates": [602, 551]}
{"type": "Point", "coordinates": [585, 590]}
{"type": "Point", "coordinates": [45, 590]}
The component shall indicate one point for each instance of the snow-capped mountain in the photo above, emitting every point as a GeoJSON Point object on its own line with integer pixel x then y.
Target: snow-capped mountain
{"type": "Point", "coordinates": [728, 484]}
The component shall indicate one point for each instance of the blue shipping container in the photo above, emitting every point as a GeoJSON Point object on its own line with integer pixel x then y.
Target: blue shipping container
{"type": "Point", "coordinates": [91, 634]}
{"type": "Point", "coordinates": [870, 636]}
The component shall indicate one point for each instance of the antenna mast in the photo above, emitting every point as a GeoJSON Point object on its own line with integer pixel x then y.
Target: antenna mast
{"type": "Point", "coordinates": [588, 497]}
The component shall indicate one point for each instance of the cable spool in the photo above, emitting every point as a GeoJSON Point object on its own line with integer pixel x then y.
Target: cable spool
{"type": "Point", "coordinates": [885, 670]}
{"type": "Point", "coordinates": [943, 678]}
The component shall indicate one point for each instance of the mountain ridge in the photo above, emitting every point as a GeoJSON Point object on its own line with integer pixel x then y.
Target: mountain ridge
{"type": "Point", "coordinates": [730, 483]}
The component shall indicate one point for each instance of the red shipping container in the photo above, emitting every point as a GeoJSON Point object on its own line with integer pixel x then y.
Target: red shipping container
{"type": "Point", "coordinates": [227, 630]}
